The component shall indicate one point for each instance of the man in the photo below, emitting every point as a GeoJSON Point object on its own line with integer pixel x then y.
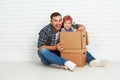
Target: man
{"type": "Point", "coordinates": [49, 48]}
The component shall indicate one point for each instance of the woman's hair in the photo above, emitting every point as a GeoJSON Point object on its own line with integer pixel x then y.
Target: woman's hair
{"type": "Point", "coordinates": [67, 17]}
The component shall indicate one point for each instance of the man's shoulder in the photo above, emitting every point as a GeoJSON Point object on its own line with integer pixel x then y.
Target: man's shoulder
{"type": "Point", "coordinates": [47, 29]}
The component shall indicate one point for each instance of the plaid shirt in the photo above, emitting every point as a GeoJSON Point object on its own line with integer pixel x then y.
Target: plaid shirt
{"type": "Point", "coordinates": [47, 36]}
{"type": "Point", "coordinates": [68, 30]}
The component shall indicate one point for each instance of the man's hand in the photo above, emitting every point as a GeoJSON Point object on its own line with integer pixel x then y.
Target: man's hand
{"type": "Point", "coordinates": [59, 47]}
{"type": "Point", "coordinates": [81, 28]}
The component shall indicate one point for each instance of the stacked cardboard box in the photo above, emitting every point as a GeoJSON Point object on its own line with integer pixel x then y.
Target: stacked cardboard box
{"type": "Point", "coordinates": [74, 44]}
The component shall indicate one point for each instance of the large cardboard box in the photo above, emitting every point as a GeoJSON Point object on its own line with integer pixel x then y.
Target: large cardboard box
{"type": "Point", "coordinates": [74, 44]}
{"type": "Point", "coordinates": [77, 56]}
{"type": "Point", "coordinates": [74, 40]}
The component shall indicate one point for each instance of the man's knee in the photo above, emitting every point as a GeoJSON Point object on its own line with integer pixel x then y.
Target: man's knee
{"type": "Point", "coordinates": [43, 50]}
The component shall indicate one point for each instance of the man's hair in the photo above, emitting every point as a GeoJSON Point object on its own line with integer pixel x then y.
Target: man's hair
{"type": "Point", "coordinates": [55, 14]}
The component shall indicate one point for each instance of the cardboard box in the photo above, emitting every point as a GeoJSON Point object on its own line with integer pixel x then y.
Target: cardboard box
{"type": "Point", "coordinates": [70, 40]}
{"type": "Point", "coordinates": [84, 38]}
{"type": "Point", "coordinates": [74, 40]}
{"type": "Point", "coordinates": [74, 44]}
{"type": "Point", "coordinates": [77, 56]}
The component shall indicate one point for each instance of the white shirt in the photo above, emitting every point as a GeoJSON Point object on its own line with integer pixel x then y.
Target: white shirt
{"type": "Point", "coordinates": [56, 37]}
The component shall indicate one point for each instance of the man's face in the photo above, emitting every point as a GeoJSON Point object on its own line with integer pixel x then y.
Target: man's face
{"type": "Point", "coordinates": [56, 23]}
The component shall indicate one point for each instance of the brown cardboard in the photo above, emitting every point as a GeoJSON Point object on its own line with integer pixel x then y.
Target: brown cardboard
{"type": "Point", "coordinates": [87, 40]}
{"type": "Point", "coordinates": [74, 40]}
{"type": "Point", "coordinates": [74, 44]}
{"type": "Point", "coordinates": [84, 38]}
{"type": "Point", "coordinates": [77, 56]}
{"type": "Point", "coordinates": [70, 40]}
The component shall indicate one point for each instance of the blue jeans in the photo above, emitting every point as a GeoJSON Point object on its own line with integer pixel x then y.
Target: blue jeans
{"type": "Point", "coordinates": [89, 57]}
{"type": "Point", "coordinates": [53, 57]}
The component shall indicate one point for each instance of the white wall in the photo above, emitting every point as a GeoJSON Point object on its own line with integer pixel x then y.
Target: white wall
{"type": "Point", "coordinates": [20, 22]}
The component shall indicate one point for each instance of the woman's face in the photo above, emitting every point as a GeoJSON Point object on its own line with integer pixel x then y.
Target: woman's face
{"type": "Point", "coordinates": [67, 24]}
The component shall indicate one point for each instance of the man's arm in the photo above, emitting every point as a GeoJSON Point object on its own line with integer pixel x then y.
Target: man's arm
{"type": "Point", "coordinates": [58, 47]}
{"type": "Point", "coordinates": [48, 47]}
{"type": "Point", "coordinates": [43, 40]}
{"type": "Point", "coordinates": [81, 28]}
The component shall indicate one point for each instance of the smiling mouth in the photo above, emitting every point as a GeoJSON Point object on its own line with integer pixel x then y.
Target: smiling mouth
{"type": "Point", "coordinates": [58, 26]}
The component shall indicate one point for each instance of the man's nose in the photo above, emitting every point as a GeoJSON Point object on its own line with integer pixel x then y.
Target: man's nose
{"type": "Point", "coordinates": [58, 22]}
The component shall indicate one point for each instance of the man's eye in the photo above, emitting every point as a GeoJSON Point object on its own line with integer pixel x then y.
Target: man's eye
{"type": "Point", "coordinates": [55, 20]}
{"type": "Point", "coordinates": [60, 20]}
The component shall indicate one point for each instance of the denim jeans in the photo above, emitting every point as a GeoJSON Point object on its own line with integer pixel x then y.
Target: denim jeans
{"type": "Point", "coordinates": [53, 57]}
{"type": "Point", "coordinates": [89, 57]}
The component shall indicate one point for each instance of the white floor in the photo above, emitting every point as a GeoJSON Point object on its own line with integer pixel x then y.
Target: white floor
{"type": "Point", "coordinates": [38, 71]}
